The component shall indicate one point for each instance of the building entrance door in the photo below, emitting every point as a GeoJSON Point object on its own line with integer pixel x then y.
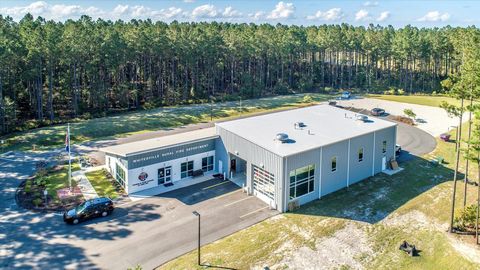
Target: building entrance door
{"type": "Point", "coordinates": [165, 175]}
{"type": "Point", "coordinates": [384, 163]}
{"type": "Point", "coordinates": [233, 165]}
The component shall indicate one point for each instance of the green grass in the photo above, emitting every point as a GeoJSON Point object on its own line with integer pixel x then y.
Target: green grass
{"type": "Point", "coordinates": [101, 184]}
{"type": "Point", "coordinates": [142, 121]}
{"type": "Point", "coordinates": [421, 188]}
{"type": "Point", "coordinates": [58, 179]}
{"type": "Point", "coordinates": [433, 101]}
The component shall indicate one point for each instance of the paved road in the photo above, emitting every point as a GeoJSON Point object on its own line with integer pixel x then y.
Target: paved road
{"type": "Point", "coordinates": [414, 141]}
{"type": "Point", "coordinates": [148, 232]}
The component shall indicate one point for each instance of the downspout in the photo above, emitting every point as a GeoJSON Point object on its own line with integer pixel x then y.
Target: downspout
{"type": "Point", "coordinates": [348, 164]}
{"type": "Point", "coordinates": [373, 162]}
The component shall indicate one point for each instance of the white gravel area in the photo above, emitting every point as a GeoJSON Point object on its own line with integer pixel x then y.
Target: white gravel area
{"type": "Point", "coordinates": [433, 120]}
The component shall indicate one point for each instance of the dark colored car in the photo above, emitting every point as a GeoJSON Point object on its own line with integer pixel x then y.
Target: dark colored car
{"type": "Point", "coordinates": [99, 207]}
{"type": "Point", "coordinates": [377, 111]}
{"type": "Point", "coordinates": [398, 149]}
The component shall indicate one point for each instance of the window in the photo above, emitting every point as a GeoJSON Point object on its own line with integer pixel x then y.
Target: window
{"type": "Point", "coordinates": [263, 182]}
{"type": "Point", "coordinates": [207, 164]}
{"type": "Point", "coordinates": [302, 181]}
{"type": "Point", "coordinates": [334, 164]}
{"type": "Point", "coordinates": [120, 175]}
{"type": "Point", "coordinates": [186, 169]}
{"type": "Point", "coordinates": [384, 147]}
{"type": "Point", "coordinates": [360, 155]}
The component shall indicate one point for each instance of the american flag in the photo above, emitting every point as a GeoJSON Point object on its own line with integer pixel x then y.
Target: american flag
{"type": "Point", "coordinates": [67, 140]}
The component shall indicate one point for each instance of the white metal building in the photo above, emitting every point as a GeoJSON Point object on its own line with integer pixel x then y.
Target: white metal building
{"type": "Point", "coordinates": [294, 156]}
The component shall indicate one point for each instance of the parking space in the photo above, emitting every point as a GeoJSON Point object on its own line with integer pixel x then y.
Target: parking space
{"type": "Point", "coordinates": [148, 232]}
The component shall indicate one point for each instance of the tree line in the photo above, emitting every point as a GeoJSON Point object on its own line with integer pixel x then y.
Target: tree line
{"type": "Point", "coordinates": [55, 71]}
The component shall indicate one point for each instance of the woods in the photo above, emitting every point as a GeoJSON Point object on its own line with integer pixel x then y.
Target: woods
{"type": "Point", "coordinates": [54, 71]}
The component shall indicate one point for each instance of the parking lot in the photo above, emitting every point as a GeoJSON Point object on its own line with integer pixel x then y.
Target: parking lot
{"type": "Point", "coordinates": [148, 232]}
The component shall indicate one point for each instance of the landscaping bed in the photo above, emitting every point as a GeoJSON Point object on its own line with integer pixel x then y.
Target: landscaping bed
{"type": "Point", "coordinates": [105, 185]}
{"type": "Point", "coordinates": [30, 193]}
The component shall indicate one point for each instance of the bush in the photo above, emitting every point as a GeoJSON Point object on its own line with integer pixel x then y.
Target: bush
{"type": "Point", "coordinates": [401, 92]}
{"type": "Point", "coordinates": [307, 99]}
{"type": "Point", "coordinates": [467, 218]}
{"type": "Point", "coordinates": [410, 113]}
{"type": "Point", "coordinates": [37, 202]}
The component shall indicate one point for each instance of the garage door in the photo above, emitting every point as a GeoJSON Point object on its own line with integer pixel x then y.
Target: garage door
{"type": "Point", "coordinates": [263, 184]}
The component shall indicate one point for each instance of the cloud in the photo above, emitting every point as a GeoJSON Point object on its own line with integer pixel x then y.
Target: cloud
{"type": "Point", "coordinates": [333, 14]}
{"type": "Point", "coordinates": [435, 16]}
{"type": "Point", "coordinates": [211, 12]}
{"type": "Point", "coordinates": [370, 4]}
{"type": "Point", "coordinates": [189, 1]}
{"type": "Point", "coordinates": [205, 11]}
{"type": "Point", "coordinates": [282, 11]}
{"type": "Point", "coordinates": [362, 15]}
{"type": "Point", "coordinates": [383, 16]}
{"type": "Point", "coordinates": [229, 12]}
{"type": "Point", "coordinates": [257, 15]}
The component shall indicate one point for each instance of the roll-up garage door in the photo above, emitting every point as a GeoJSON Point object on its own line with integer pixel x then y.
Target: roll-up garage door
{"type": "Point", "coordinates": [263, 184]}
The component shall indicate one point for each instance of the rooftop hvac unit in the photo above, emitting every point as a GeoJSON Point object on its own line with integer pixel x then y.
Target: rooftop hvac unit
{"type": "Point", "coordinates": [282, 137]}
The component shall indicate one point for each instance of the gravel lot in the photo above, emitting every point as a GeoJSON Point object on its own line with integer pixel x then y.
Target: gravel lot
{"type": "Point", "coordinates": [433, 120]}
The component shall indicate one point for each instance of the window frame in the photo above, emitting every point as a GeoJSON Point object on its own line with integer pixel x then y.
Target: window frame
{"type": "Point", "coordinates": [209, 163]}
{"type": "Point", "coordinates": [188, 165]}
{"type": "Point", "coordinates": [384, 146]}
{"type": "Point", "coordinates": [360, 154]}
{"type": "Point", "coordinates": [333, 161]}
{"type": "Point", "coordinates": [308, 181]}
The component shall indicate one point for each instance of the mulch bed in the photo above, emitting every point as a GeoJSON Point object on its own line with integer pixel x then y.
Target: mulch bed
{"type": "Point", "coordinates": [403, 119]}
{"type": "Point", "coordinates": [26, 199]}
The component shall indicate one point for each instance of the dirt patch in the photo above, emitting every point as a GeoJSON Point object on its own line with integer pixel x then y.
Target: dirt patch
{"type": "Point", "coordinates": [414, 220]}
{"type": "Point", "coordinates": [469, 251]}
{"type": "Point", "coordinates": [346, 248]}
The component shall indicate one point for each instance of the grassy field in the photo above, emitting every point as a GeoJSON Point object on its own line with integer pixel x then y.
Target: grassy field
{"type": "Point", "coordinates": [148, 120]}
{"type": "Point", "coordinates": [433, 101]}
{"type": "Point", "coordinates": [373, 216]}
{"type": "Point", "coordinates": [101, 184]}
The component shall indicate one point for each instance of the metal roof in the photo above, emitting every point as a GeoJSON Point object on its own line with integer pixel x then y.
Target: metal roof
{"type": "Point", "coordinates": [133, 148]}
{"type": "Point", "coordinates": [324, 125]}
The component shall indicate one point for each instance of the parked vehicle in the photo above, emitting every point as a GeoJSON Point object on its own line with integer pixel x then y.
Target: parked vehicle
{"type": "Point", "coordinates": [377, 111]}
{"type": "Point", "coordinates": [99, 207]}
{"type": "Point", "coordinates": [398, 149]}
{"type": "Point", "coordinates": [346, 95]}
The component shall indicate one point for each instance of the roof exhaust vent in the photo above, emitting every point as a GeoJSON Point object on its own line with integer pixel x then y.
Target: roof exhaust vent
{"type": "Point", "coordinates": [299, 125]}
{"type": "Point", "coordinates": [282, 137]}
{"type": "Point", "coordinates": [362, 118]}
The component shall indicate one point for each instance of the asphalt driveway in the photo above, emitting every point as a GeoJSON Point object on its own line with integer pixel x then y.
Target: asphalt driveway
{"type": "Point", "coordinates": [148, 232]}
{"type": "Point", "coordinates": [414, 142]}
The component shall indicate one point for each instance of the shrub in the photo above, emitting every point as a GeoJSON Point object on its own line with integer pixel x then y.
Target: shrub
{"type": "Point", "coordinates": [401, 92]}
{"type": "Point", "coordinates": [410, 113]}
{"type": "Point", "coordinates": [37, 202]}
{"type": "Point", "coordinates": [390, 91]}
{"type": "Point", "coordinates": [307, 99]}
{"type": "Point", "coordinates": [467, 218]}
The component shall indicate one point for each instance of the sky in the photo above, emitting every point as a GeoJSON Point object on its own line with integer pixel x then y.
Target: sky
{"type": "Point", "coordinates": [301, 12]}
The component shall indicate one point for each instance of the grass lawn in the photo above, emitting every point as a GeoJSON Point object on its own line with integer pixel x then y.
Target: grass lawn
{"type": "Point", "coordinates": [373, 216]}
{"type": "Point", "coordinates": [433, 101]}
{"type": "Point", "coordinates": [58, 179]}
{"type": "Point", "coordinates": [101, 184]}
{"type": "Point", "coordinates": [148, 120]}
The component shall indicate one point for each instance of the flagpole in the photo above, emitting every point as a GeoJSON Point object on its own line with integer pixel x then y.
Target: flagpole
{"type": "Point", "coordinates": [69, 159]}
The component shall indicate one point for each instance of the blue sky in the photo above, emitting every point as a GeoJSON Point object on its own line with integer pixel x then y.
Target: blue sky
{"type": "Point", "coordinates": [301, 12]}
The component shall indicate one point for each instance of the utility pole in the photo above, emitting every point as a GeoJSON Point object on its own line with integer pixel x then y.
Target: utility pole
{"type": "Point", "coordinates": [198, 247]}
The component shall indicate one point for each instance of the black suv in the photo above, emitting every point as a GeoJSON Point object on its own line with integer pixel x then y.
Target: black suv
{"type": "Point", "coordinates": [99, 207]}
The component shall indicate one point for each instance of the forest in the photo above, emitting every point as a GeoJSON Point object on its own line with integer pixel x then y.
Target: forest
{"type": "Point", "coordinates": [52, 72]}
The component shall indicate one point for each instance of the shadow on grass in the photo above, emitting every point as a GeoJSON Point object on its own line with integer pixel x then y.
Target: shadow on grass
{"type": "Point", "coordinates": [374, 198]}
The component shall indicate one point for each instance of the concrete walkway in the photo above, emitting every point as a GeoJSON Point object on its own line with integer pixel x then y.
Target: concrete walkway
{"type": "Point", "coordinates": [85, 186]}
